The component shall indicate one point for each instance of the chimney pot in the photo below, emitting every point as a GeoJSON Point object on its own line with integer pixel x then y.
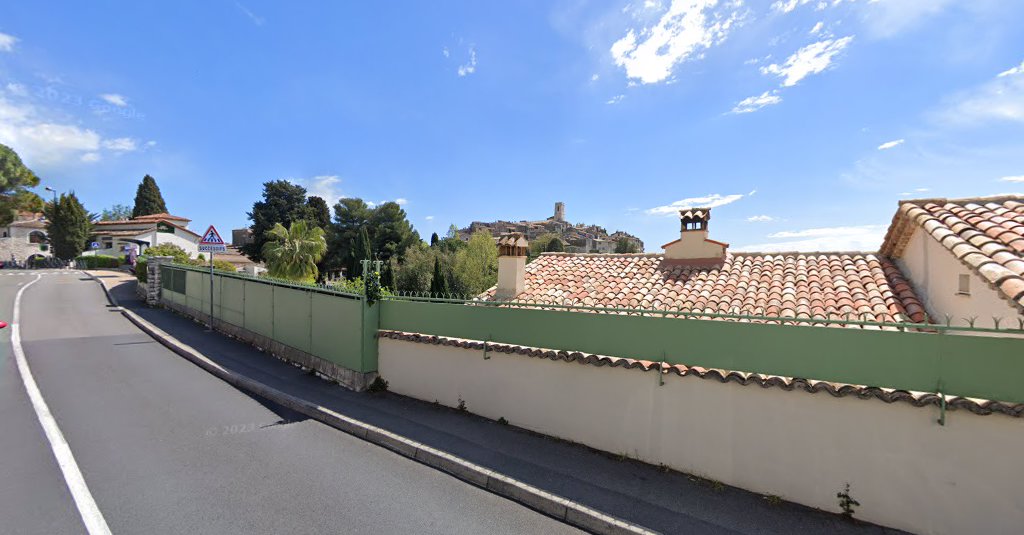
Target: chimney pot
{"type": "Point", "coordinates": [693, 245]}
{"type": "Point", "coordinates": [512, 251]}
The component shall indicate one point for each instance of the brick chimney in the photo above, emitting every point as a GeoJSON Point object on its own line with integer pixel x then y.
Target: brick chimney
{"type": "Point", "coordinates": [693, 246]}
{"type": "Point", "coordinates": [512, 250]}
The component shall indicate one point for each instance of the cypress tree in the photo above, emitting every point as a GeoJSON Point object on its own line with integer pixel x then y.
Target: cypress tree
{"type": "Point", "coordinates": [438, 283]}
{"type": "Point", "coordinates": [68, 225]}
{"type": "Point", "coordinates": [555, 246]}
{"type": "Point", "coordinates": [148, 199]}
{"type": "Point", "coordinates": [434, 239]}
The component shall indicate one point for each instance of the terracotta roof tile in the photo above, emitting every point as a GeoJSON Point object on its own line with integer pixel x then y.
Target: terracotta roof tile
{"type": "Point", "coordinates": [986, 234]}
{"type": "Point", "coordinates": [823, 285]}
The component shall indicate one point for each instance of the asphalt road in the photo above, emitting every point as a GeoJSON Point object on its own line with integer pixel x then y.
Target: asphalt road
{"type": "Point", "coordinates": [166, 448]}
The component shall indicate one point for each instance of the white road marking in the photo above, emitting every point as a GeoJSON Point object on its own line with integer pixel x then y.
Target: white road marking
{"type": "Point", "coordinates": [91, 515]}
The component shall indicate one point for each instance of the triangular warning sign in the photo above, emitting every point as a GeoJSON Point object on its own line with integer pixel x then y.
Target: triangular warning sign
{"type": "Point", "coordinates": [211, 236]}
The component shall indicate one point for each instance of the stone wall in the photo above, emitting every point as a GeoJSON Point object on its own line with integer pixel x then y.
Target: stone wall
{"type": "Point", "coordinates": [20, 248]}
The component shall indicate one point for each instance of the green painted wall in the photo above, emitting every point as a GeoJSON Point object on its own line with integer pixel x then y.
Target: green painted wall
{"type": "Point", "coordinates": [986, 367]}
{"type": "Point", "coordinates": [322, 323]}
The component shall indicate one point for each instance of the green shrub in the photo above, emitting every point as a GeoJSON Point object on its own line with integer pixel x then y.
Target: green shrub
{"type": "Point", "coordinates": [169, 249]}
{"type": "Point", "coordinates": [99, 261]}
{"type": "Point", "coordinates": [141, 272]}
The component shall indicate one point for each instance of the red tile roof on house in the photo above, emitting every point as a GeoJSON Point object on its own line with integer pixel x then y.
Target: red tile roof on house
{"type": "Point", "coordinates": [152, 218]}
{"type": "Point", "coordinates": [985, 233]}
{"type": "Point", "coordinates": [864, 286]}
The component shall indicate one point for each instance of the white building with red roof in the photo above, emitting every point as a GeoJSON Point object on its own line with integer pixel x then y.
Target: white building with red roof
{"type": "Point", "coordinates": [143, 232]}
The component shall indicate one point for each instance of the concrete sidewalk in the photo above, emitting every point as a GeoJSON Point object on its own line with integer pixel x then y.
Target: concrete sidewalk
{"type": "Point", "coordinates": [668, 502]}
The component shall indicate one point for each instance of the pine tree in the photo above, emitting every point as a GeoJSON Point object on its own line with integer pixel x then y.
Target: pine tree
{"type": "Point", "coordinates": [555, 246]}
{"type": "Point", "coordinates": [438, 283]}
{"type": "Point", "coordinates": [68, 225]}
{"type": "Point", "coordinates": [148, 199]}
{"type": "Point", "coordinates": [434, 239]}
{"type": "Point", "coordinates": [14, 179]}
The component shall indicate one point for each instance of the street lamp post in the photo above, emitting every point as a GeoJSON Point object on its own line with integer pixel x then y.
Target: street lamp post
{"type": "Point", "coordinates": [51, 190]}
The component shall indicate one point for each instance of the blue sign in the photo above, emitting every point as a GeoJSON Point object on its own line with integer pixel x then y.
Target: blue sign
{"type": "Point", "coordinates": [94, 245]}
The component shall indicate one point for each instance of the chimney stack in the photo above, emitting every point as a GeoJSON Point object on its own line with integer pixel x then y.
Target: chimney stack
{"type": "Point", "coordinates": [512, 250]}
{"type": "Point", "coordinates": [693, 245]}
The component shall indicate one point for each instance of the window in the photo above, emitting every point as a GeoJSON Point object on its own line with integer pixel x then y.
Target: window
{"type": "Point", "coordinates": [964, 285]}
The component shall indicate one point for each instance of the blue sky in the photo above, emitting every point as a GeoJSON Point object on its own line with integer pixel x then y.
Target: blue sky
{"type": "Point", "coordinates": [802, 121]}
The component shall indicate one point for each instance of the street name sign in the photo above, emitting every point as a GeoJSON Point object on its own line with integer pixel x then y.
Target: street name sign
{"type": "Point", "coordinates": [212, 242]}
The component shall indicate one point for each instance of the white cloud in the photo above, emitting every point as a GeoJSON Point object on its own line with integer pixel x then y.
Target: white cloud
{"type": "Point", "coordinates": [811, 59]}
{"type": "Point", "coordinates": [90, 157]}
{"type": "Point", "coordinates": [151, 143]}
{"type": "Point", "coordinates": [17, 90]}
{"type": "Point", "coordinates": [470, 67]}
{"type": "Point", "coordinates": [429, 218]}
{"type": "Point", "coordinates": [252, 16]}
{"type": "Point", "coordinates": [853, 238]}
{"type": "Point", "coordinates": [713, 200]}
{"type": "Point", "coordinates": [684, 30]}
{"type": "Point", "coordinates": [446, 52]}
{"type": "Point", "coordinates": [1000, 99]}
{"type": "Point", "coordinates": [7, 42]}
{"type": "Point", "coordinates": [115, 99]}
{"type": "Point", "coordinates": [785, 6]}
{"type": "Point", "coordinates": [616, 99]}
{"type": "Point", "coordinates": [121, 144]}
{"type": "Point", "coordinates": [817, 28]}
{"type": "Point", "coordinates": [401, 201]}
{"type": "Point", "coordinates": [760, 219]}
{"type": "Point", "coordinates": [749, 104]}
{"type": "Point", "coordinates": [890, 144]}
{"type": "Point", "coordinates": [593, 78]}
{"type": "Point", "coordinates": [1018, 178]}
{"type": "Point", "coordinates": [324, 186]}
{"type": "Point", "coordinates": [1011, 72]}
{"type": "Point", "coordinates": [39, 141]}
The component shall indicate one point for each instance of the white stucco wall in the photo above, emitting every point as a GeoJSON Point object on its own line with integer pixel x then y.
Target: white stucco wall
{"type": "Point", "coordinates": [906, 470]}
{"type": "Point", "coordinates": [184, 240]}
{"type": "Point", "coordinates": [934, 272]}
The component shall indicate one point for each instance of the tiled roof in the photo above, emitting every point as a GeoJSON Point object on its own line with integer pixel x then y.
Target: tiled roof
{"type": "Point", "coordinates": [864, 286]}
{"type": "Point", "coordinates": [123, 233]}
{"type": "Point", "coordinates": [985, 233]}
{"type": "Point", "coordinates": [146, 219]}
{"type": "Point", "coordinates": [34, 223]}
{"type": "Point", "coordinates": [888, 395]}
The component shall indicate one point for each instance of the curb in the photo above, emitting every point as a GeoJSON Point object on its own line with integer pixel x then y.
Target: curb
{"type": "Point", "coordinates": [555, 506]}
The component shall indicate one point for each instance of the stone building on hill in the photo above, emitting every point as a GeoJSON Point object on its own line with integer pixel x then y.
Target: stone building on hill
{"type": "Point", "coordinates": [578, 238]}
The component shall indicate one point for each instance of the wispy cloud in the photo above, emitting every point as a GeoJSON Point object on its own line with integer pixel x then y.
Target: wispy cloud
{"type": "Point", "coordinates": [785, 6]}
{"type": "Point", "coordinates": [90, 157]}
{"type": "Point", "coordinates": [811, 59]}
{"type": "Point", "coordinates": [121, 144]}
{"type": "Point", "coordinates": [754, 103]}
{"type": "Point", "coordinates": [888, 18]}
{"type": "Point", "coordinates": [327, 187]}
{"type": "Point", "coordinates": [616, 99]}
{"type": "Point", "coordinates": [851, 238]}
{"type": "Point", "coordinates": [470, 66]}
{"type": "Point", "coordinates": [999, 99]}
{"type": "Point", "coordinates": [446, 53]}
{"type": "Point", "coordinates": [1017, 178]}
{"type": "Point", "coordinates": [817, 28]}
{"type": "Point", "coordinates": [760, 219]}
{"type": "Point", "coordinates": [115, 99]}
{"type": "Point", "coordinates": [713, 200]}
{"type": "Point", "coordinates": [401, 201]}
{"type": "Point", "coordinates": [252, 16]}
{"type": "Point", "coordinates": [7, 42]}
{"type": "Point", "coordinates": [429, 218]}
{"type": "Point", "coordinates": [42, 141]}
{"type": "Point", "coordinates": [18, 90]}
{"type": "Point", "coordinates": [890, 144]}
{"type": "Point", "coordinates": [684, 30]}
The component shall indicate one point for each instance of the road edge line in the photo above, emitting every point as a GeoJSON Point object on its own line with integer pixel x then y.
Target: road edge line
{"type": "Point", "coordinates": [91, 515]}
{"type": "Point", "coordinates": [568, 511]}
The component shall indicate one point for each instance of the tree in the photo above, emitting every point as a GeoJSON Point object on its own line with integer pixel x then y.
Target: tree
{"type": "Point", "coordinates": [555, 246]}
{"type": "Point", "coordinates": [148, 200]}
{"type": "Point", "coordinates": [540, 244]}
{"type": "Point", "coordinates": [413, 273]}
{"type": "Point", "coordinates": [433, 239]}
{"type": "Point", "coordinates": [438, 282]}
{"type": "Point", "coordinates": [387, 227]}
{"type": "Point", "coordinates": [476, 265]}
{"type": "Point", "coordinates": [68, 225]}
{"type": "Point", "coordinates": [317, 212]}
{"type": "Point", "coordinates": [117, 212]}
{"type": "Point", "coordinates": [625, 245]}
{"type": "Point", "coordinates": [293, 253]}
{"type": "Point", "coordinates": [15, 177]}
{"type": "Point", "coordinates": [284, 203]}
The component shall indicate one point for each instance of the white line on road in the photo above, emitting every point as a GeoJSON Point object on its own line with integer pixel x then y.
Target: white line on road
{"type": "Point", "coordinates": [91, 515]}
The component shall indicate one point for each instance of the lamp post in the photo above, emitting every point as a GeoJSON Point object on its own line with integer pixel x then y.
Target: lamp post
{"type": "Point", "coordinates": [51, 190]}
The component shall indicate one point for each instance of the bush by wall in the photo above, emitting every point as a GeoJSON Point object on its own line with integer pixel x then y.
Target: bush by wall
{"type": "Point", "coordinates": [141, 272]}
{"type": "Point", "coordinates": [99, 261]}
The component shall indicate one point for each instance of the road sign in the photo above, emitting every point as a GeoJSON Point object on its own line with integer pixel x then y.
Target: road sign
{"type": "Point", "coordinates": [94, 245]}
{"type": "Point", "coordinates": [212, 242]}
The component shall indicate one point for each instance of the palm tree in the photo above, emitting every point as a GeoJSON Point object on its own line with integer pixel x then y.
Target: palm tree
{"type": "Point", "coordinates": [293, 253]}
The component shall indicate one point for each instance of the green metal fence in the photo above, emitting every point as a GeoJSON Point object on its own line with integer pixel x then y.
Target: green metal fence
{"type": "Point", "coordinates": [320, 321]}
{"type": "Point", "coordinates": [974, 366]}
